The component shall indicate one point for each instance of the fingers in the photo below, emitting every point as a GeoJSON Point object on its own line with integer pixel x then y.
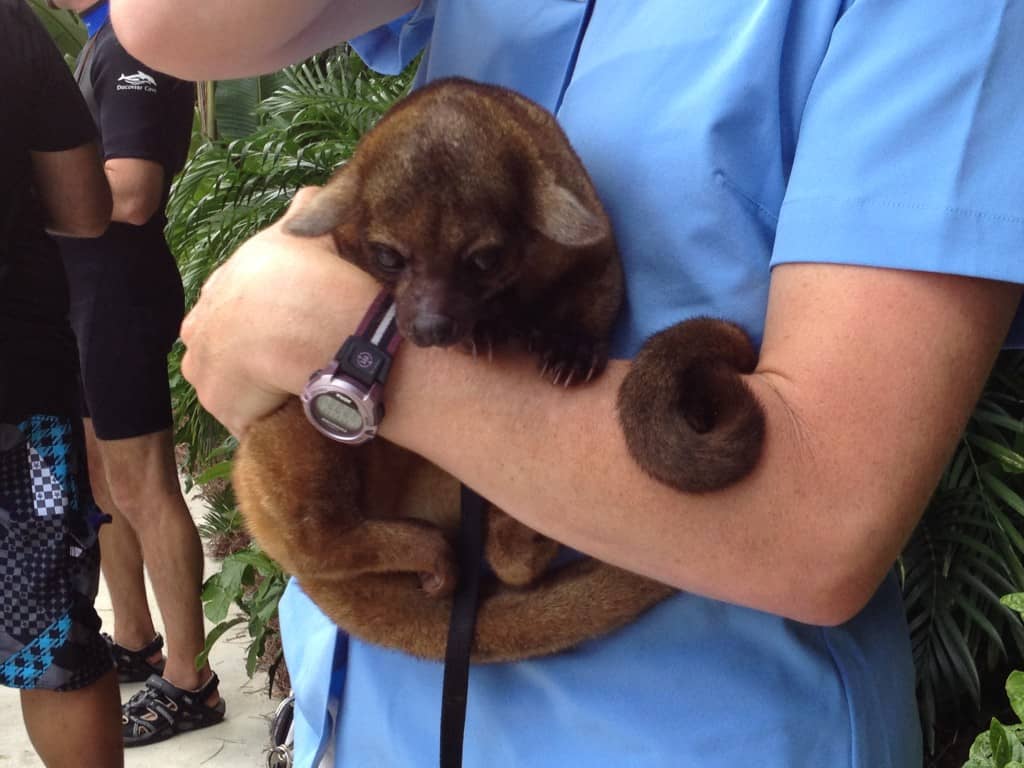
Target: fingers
{"type": "Point", "coordinates": [268, 316]}
{"type": "Point", "coordinates": [301, 198]}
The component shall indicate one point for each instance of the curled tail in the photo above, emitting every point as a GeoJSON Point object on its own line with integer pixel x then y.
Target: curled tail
{"type": "Point", "coordinates": [583, 600]}
{"type": "Point", "coordinates": [689, 419]}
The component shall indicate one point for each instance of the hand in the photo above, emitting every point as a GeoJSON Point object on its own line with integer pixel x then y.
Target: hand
{"type": "Point", "coordinates": [277, 310]}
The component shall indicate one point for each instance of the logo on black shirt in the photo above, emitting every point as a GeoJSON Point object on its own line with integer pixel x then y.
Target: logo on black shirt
{"type": "Point", "coordinates": [140, 81]}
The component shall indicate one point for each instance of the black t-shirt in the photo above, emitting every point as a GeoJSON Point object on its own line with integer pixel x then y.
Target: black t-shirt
{"type": "Point", "coordinates": [42, 111]}
{"type": "Point", "coordinates": [140, 113]}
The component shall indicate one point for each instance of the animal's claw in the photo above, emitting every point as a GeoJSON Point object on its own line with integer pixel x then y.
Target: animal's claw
{"type": "Point", "coordinates": [570, 358]}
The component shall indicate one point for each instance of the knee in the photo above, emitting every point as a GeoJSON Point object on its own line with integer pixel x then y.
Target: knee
{"type": "Point", "coordinates": [133, 497]}
{"type": "Point", "coordinates": [98, 486]}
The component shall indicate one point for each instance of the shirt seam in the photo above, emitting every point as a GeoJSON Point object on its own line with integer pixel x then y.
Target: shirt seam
{"type": "Point", "coordinates": [841, 675]}
{"type": "Point", "coordinates": [906, 205]}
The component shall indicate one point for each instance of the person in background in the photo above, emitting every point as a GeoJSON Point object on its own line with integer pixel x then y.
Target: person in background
{"type": "Point", "coordinates": [50, 643]}
{"type": "Point", "coordinates": [126, 305]}
{"type": "Point", "coordinates": [840, 177]}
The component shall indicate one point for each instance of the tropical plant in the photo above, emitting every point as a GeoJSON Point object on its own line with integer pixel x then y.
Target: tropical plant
{"type": "Point", "coordinates": [967, 551]}
{"type": "Point", "coordinates": [64, 27]}
{"type": "Point", "coordinates": [252, 582]}
{"type": "Point", "coordinates": [308, 126]}
{"type": "Point", "coordinates": [298, 125]}
{"type": "Point", "coordinates": [230, 189]}
{"type": "Point", "coordinates": [1002, 746]}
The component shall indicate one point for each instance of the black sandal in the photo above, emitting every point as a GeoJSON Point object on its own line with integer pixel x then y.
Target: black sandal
{"type": "Point", "coordinates": [160, 710]}
{"type": "Point", "coordinates": [134, 666]}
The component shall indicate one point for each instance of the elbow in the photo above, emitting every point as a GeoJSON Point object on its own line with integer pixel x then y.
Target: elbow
{"type": "Point", "coordinates": [86, 221]}
{"type": "Point", "coordinates": [88, 228]}
{"type": "Point", "coordinates": [833, 605]}
{"type": "Point", "coordinates": [833, 591]}
{"type": "Point", "coordinates": [91, 230]}
{"type": "Point", "coordinates": [143, 32]}
{"type": "Point", "coordinates": [136, 211]}
{"type": "Point", "coordinates": [167, 40]}
{"type": "Point", "coordinates": [832, 574]}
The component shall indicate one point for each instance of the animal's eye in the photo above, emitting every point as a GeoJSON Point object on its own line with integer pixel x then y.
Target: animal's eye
{"type": "Point", "coordinates": [388, 258]}
{"type": "Point", "coordinates": [486, 259]}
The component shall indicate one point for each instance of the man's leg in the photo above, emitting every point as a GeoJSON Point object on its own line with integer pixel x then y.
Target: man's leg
{"type": "Point", "coordinates": [52, 649]}
{"type": "Point", "coordinates": [121, 561]}
{"type": "Point", "coordinates": [142, 482]}
{"type": "Point", "coordinates": [74, 728]}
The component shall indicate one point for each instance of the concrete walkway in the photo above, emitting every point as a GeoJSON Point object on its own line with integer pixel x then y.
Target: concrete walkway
{"type": "Point", "coordinates": [240, 741]}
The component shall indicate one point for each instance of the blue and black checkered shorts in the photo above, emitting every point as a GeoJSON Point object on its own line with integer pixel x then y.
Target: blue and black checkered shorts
{"type": "Point", "coordinates": [49, 559]}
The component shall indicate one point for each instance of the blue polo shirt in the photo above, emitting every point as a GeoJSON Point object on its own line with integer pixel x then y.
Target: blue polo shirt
{"type": "Point", "coordinates": [724, 137]}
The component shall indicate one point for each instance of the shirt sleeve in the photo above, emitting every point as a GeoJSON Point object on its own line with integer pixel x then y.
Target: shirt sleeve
{"type": "Point", "coordinates": [130, 98]}
{"type": "Point", "coordinates": [909, 153]}
{"type": "Point", "coordinates": [56, 116]}
{"type": "Point", "coordinates": [390, 48]}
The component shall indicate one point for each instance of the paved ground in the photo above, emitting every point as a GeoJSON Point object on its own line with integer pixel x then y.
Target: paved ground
{"type": "Point", "coordinates": [238, 742]}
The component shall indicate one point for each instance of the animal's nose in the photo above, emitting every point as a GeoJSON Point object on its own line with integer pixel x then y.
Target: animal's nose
{"type": "Point", "coordinates": [431, 330]}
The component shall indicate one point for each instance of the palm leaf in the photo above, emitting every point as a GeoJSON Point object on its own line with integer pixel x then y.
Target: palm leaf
{"type": "Point", "coordinates": [966, 552]}
{"type": "Point", "coordinates": [64, 27]}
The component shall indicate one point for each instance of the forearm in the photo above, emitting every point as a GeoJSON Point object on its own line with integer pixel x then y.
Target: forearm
{"type": "Point", "coordinates": [73, 190]}
{"type": "Point", "coordinates": [852, 452]}
{"type": "Point", "coordinates": [862, 411]}
{"type": "Point", "coordinates": [198, 40]}
{"type": "Point", "coordinates": [790, 539]}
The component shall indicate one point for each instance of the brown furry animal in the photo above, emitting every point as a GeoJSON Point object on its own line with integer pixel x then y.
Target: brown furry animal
{"type": "Point", "coordinates": [469, 203]}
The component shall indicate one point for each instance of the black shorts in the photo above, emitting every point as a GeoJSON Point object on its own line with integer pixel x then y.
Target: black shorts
{"type": "Point", "coordinates": [125, 326]}
{"type": "Point", "coordinates": [49, 559]}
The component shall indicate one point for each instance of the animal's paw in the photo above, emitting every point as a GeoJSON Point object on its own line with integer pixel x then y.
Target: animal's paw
{"type": "Point", "coordinates": [485, 338]}
{"type": "Point", "coordinates": [568, 358]}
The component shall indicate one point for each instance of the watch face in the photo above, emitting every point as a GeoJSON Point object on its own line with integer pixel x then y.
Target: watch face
{"type": "Point", "coordinates": [338, 413]}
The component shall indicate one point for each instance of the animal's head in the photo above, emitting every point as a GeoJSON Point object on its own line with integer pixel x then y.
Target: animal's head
{"type": "Point", "coordinates": [446, 201]}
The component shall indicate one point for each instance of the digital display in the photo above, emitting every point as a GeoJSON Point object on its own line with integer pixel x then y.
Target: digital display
{"type": "Point", "coordinates": [339, 412]}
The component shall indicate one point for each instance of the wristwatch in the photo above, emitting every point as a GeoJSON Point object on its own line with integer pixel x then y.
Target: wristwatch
{"type": "Point", "coordinates": [345, 399]}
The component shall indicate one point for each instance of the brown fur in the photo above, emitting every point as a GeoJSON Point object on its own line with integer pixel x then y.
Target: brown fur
{"type": "Point", "coordinates": [363, 571]}
{"type": "Point", "coordinates": [689, 420]}
{"type": "Point", "coordinates": [469, 203]}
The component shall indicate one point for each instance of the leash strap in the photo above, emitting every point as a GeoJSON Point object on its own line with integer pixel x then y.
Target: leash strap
{"type": "Point", "coordinates": [469, 550]}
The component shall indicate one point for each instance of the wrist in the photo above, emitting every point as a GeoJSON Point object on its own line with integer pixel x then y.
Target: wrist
{"type": "Point", "coordinates": [344, 400]}
{"type": "Point", "coordinates": [318, 321]}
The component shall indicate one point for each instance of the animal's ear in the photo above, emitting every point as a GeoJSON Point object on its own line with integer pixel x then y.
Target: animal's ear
{"type": "Point", "coordinates": [561, 216]}
{"type": "Point", "coordinates": [326, 209]}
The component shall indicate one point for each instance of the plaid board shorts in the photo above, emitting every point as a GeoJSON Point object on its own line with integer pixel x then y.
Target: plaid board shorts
{"type": "Point", "coordinates": [49, 559]}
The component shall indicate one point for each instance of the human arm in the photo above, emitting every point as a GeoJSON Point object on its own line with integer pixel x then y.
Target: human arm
{"type": "Point", "coordinates": [145, 123]}
{"type": "Point", "coordinates": [867, 373]}
{"type": "Point", "coordinates": [65, 159]}
{"type": "Point", "coordinates": [220, 40]}
{"type": "Point", "coordinates": [73, 190]}
{"type": "Point", "coordinates": [863, 409]}
{"type": "Point", "coordinates": [137, 187]}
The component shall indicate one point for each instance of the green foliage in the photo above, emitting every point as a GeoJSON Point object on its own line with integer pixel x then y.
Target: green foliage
{"type": "Point", "coordinates": [230, 189]}
{"type": "Point", "coordinates": [968, 550]}
{"type": "Point", "coordinates": [204, 438]}
{"type": "Point", "coordinates": [221, 517]}
{"type": "Point", "coordinates": [1002, 746]}
{"type": "Point", "coordinates": [237, 104]}
{"type": "Point", "coordinates": [252, 582]}
{"type": "Point", "coordinates": [308, 127]}
{"type": "Point", "coordinates": [64, 27]}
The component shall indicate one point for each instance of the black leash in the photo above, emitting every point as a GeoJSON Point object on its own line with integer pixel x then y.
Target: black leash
{"type": "Point", "coordinates": [469, 550]}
